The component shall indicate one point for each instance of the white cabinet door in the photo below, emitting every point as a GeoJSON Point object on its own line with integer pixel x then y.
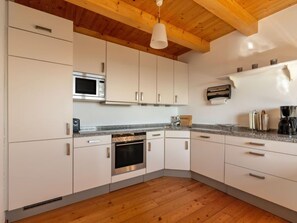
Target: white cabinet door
{"type": "Point", "coordinates": [177, 154]}
{"type": "Point", "coordinates": [147, 78]}
{"type": "Point", "coordinates": [39, 100]}
{"type": "Point", "coordinates": [89, 54]}
{"type": "Point", "coordinates": [181, 83]}
{"type": "Point", "coordinates": [207, 158]}
{"type": "Point", "coordinates": [92, 167]}
{"type": "Point", "coordinates": [39, 171]}
{"type": "Point", "coordinates": [122, 74]}
{"type": "Point", "coordinates": [154, 155]}
{"type": "Point", "coordinates": [164, 81]}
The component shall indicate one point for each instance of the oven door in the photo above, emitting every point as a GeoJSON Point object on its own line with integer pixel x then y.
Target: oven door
{"type": "Point", "coordinates": [128, 156]}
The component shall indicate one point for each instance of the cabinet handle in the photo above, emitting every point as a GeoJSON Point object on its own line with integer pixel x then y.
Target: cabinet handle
{"type": "Point", "coordinates": [159, 97]}
{"type": "Point", "coordinates": [186, 145]}
{"type": "Point", "coordinates": [102, 67]}
{"type": "Point", "coordinates": [94, 141]}
{"type": "Point", "coordinates": [136, 95]}
{"type": "Point", "coordinates": [205, 137]}
{"type": "Point", "coordinates": [149, 146]}
{"type": "Point", "coordinates": [108, 152]}
{"type": "Point", "coordinates": [68, 152]}
{"type": "Point", "coordinates": [43, 28]}
{"type": "Point", "coordinates": [256, 144]}
{"type": "Point", "coordinates": [257, 176]}
{"type": "Point", "coordinates": [257, 154]}
{"type": "Point", "coordinates": [141, 96]}
{"type": "Point", "coordinates": [175, 99]}
{"type": "Point", "coordinates": [156, 135]}
{"type": "Point", "coordinates": [67, 128]}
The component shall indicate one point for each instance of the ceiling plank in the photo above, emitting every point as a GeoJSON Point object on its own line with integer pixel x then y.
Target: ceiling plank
{"type": "Point", "coordinates": [233, 14]}
{"type": "Point", "coordinates": [98, 35]}
{"type": "Point", "coordinates": [132, 16]}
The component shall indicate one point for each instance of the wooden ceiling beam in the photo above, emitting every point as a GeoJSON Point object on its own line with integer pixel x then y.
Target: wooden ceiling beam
{"type": "Point", "coordinates": [232, 13]}
{"type": "Point", "coordinates": [132, 16]}
{"type": "Point", "coordinates": [112, 39]}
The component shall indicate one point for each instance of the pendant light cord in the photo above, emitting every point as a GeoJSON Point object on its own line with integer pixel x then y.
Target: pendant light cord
{"type": "Point", "coordinates": [159, 14]}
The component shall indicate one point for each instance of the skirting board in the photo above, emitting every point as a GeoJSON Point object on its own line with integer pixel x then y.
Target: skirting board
{"type": "Point", "coordinates": [251, 199]}
{"type": "Point", "coordinates": [177, 173]}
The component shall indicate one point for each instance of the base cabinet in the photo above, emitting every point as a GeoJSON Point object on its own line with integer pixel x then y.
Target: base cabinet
{"type": "Point", "coordinates": [92, 162]}
{"type": "Point", "coordinates": [177, 150]}
{"type": "Point", "coordinates": [207, 156]}
{"type": "Point", "coordinates": [39, 171]}
{"type": "Point", "coordinates": [155, 151]}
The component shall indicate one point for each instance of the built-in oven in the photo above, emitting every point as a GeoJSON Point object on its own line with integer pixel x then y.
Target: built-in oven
{"type": "Point", "coordinates": [88, 86]}
{"type": "Point", "coordinates": [128, 152]}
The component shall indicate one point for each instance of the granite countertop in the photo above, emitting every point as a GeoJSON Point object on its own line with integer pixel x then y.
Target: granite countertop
{"type": "Point", "coordinates": [228, 130]}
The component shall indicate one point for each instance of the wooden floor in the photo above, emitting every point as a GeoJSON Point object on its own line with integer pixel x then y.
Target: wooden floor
{"type": "Point", "coordinates": [166, 199]}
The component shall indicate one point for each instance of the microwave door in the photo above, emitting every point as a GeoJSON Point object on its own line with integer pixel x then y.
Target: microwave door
{"type": "Point", "coordinates": [85, 87]}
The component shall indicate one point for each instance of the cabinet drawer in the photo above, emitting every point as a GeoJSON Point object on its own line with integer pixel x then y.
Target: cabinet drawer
{"type": "Point", "coordinates": [39, 47]}
{"type": "Point", "coordinates": [208, 137]}
{"type": "Point", "coordinates": [274, 189]}
{"type": "Point", "coordinates": [155, 135]}
{"type": "Point", "coordinates": [177, 134]}
{"type": "Point", "coordinates": [92, 140]}
{"type": "Point", "coordinates": [32, 20]}
{"type": "Point", "coordinates": [277, 164]}
{"type": "Point", "coordinates": [281, 147]}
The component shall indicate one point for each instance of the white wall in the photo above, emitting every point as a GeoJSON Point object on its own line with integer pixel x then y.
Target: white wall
{"type": "Point", "coordinates": [277, 38]}
{"type": "Point", "coordinates": [95, 114]}
{"type": "Point", "coordinates": [2, 71]}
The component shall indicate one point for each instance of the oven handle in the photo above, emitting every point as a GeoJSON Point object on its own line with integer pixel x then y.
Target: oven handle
{"type": "Point", "coordinates": [127, 144]}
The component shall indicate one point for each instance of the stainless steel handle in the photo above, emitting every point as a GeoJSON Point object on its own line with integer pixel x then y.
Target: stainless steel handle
{"type": "Point", "coordinates": [102, 67]}
{"type": "Point", "coordinates": [205, 137]}
{"type": "Point", "coordinates": [108, 152]}
{"type": "Point", "coordinates": [175, 99]}
{"type": "Point", "coordinates": [156, 135]}
{"type": "Point", "coordinates": [159, 97]}
{"type": "Point", "coordinates": [68, 152]}
{"type": "Point", "coordinates": [256, 144]}
{"type": "Point", "coordinates": [257, 154]}
{"type": "Point", "coordinates": [43, 28]}
{"type": "Point", "coordinates": [141, 96]}
{"type": "Point", "coordinates": [94, 141]}
{"type": "Point", "coordinates": [257, 176]}
{"type": "Point", "coordinates": [127, 144]}
{"type": "Point", "coordinates": [67, 128]}
{"type": "Point", "coordinates": [186, 145]}
{"type": "Point", "coordinates": [136, 95]}
{"type": "Point", "coordinates": [149, 146]}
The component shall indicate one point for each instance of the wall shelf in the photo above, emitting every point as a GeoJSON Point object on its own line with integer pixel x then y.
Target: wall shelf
{"type": "Point", "coordinates": [289, 68]}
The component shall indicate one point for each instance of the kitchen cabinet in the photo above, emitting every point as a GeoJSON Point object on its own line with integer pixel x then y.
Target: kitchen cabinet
{"type": "Point", "coordinates": [89, 54]}
{"type": "Point", "coordinates": [262, 167]}
{"type": "Point", "coordinates": [164, 81]}
{"type": "Point", "coordinates": [39, 171]}
{"type": "Point", "coordinates": [147, 78]}
{"type": "Point", "coordinates": [181, 83]}
{"type": "Point", "coordinates": [122, 74]}
{"type": "Point", "coordinates": [177, 150]}
{"type": "Point", "coordinates": [154, 151]}
{"type": "Point", "coordinates": [92, 162]}
{"type": "Point", "coordinates": [207, 155]}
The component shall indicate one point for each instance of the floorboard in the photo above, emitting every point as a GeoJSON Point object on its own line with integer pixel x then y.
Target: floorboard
{"type": "Point", "coordinates": [166, 199]}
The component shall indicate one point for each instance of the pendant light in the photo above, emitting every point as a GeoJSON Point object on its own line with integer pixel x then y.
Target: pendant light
{"type": "Point", "coordinates": [159, 36]}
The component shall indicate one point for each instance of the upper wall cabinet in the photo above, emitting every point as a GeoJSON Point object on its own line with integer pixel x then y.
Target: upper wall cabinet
{"type": "Point", "coordinates": [181, 83]}
{"type": "Point", "coordinates": [89, 54]}
{"type": "Point", "coordinates": [147, 78]}
{"type": "Point", "coordinates": [122, 74]}
{"type": "Point", "coordinates": [164, 81]}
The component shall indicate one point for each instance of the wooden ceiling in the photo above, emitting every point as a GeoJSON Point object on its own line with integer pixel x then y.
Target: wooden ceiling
{"type": "Point", "coordinates": [191, 24]}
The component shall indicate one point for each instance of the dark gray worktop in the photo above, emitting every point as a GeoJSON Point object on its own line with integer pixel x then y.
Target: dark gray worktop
{"type": "Point", "coordinates": [213, 129]}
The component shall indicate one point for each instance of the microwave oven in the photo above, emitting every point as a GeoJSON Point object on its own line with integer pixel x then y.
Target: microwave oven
{"type": "Point", "coordinates": [88, 86]}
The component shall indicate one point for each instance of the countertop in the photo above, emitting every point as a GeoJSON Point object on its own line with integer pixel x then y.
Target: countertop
{"type": "Point", "coordinates": [213, 129]}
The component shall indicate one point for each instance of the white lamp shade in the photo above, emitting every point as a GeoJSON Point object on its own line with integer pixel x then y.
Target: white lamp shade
{"type": "Point", "coordinates": [159, 37]}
